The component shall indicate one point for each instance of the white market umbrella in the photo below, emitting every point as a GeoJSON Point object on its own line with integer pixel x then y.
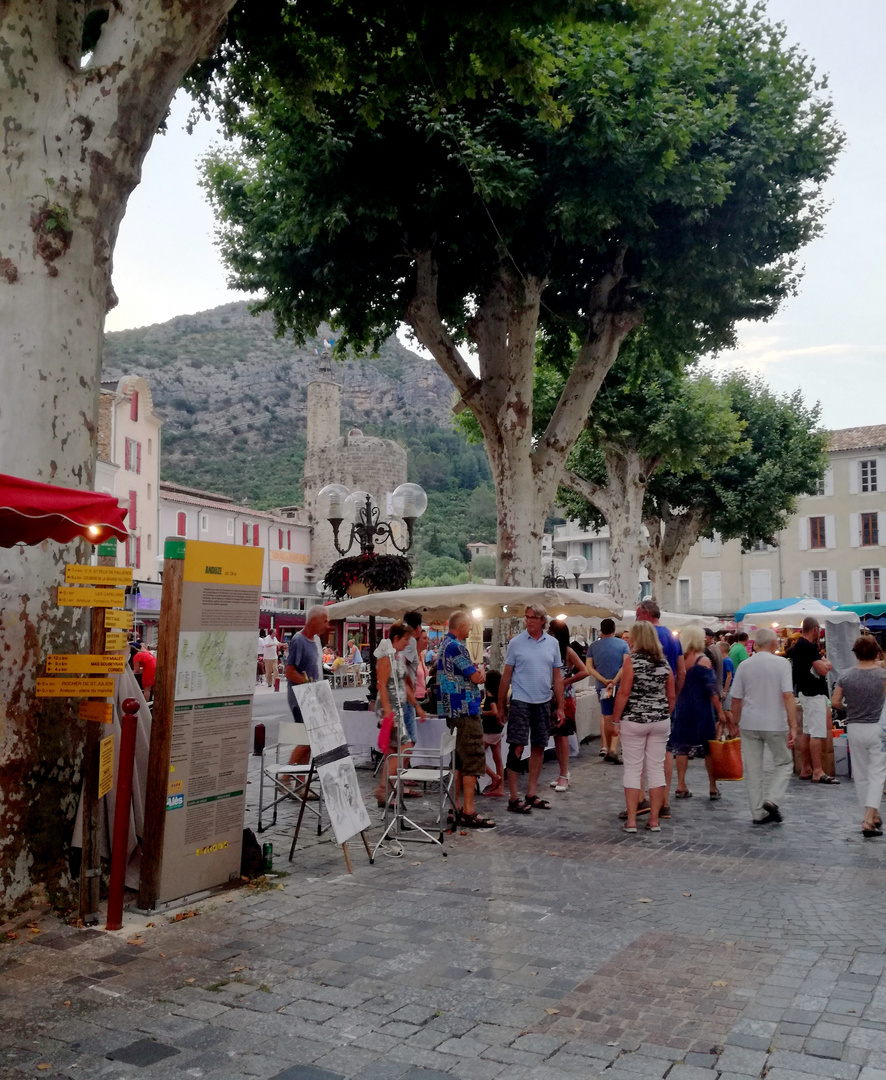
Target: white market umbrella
{"type": "Point", "coordinates": [794, 615]}
{"type": "Point", "coordinates": [436, 603]}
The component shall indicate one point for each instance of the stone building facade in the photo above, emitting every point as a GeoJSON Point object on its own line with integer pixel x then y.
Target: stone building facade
{"type": "Point", "coordinates": [360, 462]}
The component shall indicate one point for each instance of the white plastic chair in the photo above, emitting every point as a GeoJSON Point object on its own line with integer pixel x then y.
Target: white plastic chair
{"type": "Point", "coordinates": [440, 773]}
{"type": "Point", "coordinates": [283, 781]}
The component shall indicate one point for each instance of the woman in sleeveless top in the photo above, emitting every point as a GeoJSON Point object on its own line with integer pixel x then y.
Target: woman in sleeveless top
{"type": "Point", "coordinates": [642, 712]}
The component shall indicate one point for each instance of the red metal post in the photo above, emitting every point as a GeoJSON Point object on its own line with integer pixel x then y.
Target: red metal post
{"type": "Point", "coordinates": [120, 844]}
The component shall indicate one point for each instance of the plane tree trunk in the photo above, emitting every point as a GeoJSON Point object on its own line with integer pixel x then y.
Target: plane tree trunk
{"type": "Point", "coordinates": [75, 133]}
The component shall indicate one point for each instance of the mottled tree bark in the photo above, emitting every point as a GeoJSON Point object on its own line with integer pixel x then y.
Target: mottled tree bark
{"type": "Point", "coordinates": [75, 133]}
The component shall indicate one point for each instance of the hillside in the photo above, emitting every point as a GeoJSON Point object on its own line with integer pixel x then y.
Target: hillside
{"type": "Point", "coordinates": [232, 398]}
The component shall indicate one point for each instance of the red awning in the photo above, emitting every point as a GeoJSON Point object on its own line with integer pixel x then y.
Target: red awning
{"type": "Point", "coordinates": [32, 512]}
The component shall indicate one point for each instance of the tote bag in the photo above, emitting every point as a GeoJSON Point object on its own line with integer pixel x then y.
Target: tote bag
{"type": "Point", "coordinates": [726, 754]}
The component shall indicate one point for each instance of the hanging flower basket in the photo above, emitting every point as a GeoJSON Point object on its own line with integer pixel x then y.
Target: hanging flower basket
{"type": "Point", "coordinates": [375, 573]}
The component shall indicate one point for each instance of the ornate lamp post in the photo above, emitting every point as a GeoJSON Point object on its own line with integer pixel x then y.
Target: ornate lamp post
{"type": "Point", "coordinates": [361, 516]}
{"type": "Point", "coordinates": [553, 580]}
{"type": "Point", "coordinates": [576, 565]}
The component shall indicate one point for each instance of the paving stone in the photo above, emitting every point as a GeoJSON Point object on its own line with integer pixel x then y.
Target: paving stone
{"type": "Point", "coordinates": [793, 1063]}
{"type": "Point", "coordinates": [704, 1061]}
{"type": "Point", "coordinates": [739, 1059]}
{"type": "Point", "coordinates": [466, 1046]}
{"type": "Point", "coordinates": [538, 1044]}
{"type": "Point", "coordinates": [826, 1048]}
{"type": "Point", "coordinates": [689, 1072]}
{"type": "Point", "coordinates": [306, 1072]}
{"type": "Point", "coordinates": [143, 1052]}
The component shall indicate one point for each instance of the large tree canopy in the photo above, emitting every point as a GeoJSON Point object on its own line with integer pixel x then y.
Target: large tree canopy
{"type": "Point", "coordinates": [678, 192]}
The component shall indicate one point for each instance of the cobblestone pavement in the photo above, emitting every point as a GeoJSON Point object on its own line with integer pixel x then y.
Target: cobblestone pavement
{"type": "Point", "coordinates": [554, 947]}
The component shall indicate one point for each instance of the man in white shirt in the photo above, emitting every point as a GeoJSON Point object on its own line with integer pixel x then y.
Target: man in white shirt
{"type": "Point", "coordinates": [271, 647]}
{"type": "Point", "coordinates": [763, 707]}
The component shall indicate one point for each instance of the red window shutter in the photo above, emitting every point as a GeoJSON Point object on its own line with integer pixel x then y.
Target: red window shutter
{"type": "Point", "coordinates": [138, 457]}
{"type": "Point", "coordinates": [285, 579]}
{"type": "Point", "coordinates": [255, 539]}
{"type": "Point", "coordinates": [289, 540]}
{"type": "Point", "coordinates": [182, 525]}
{"type": "Point", "coordinates": [127, 454]}
{"type": "Point", "coordinates": [245, 533]}
{"type": "Point", "coordinates": [133, 515]}
{"type": "Point", "coordinates": [133, 406]}
{"type": "Point", "coordinates": [280, 539]}
{"type": "Point", "coordinates": [128, 551]}
{"type": "Point", "coordinates": [138, 552]}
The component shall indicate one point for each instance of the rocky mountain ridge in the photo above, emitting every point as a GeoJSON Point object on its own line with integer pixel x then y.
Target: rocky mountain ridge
{"type": "Point", "coordinates": [233, 397]}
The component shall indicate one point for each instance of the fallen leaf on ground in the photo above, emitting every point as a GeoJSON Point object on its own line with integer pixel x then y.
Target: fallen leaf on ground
{"type": "Point", "coordinates": [235, 970]}
{"type": "Point", "coordinates": [45, 1065]}
{"type": "Point", "coordinates": [148, 925]}
{"type": "Point", "coordinates": [11, 935]}
{"type": "Point", "coordinates": [34, 929]}
{"type": "Point", "coordinates": [552, 1012]}
{"type": "Point", "coordinates": [68, 1004]}
{"type": "Point", "coordinates": [644, 900]}
{"type": "Point", "coordinates": [135, 941]}
{"type": "Point", "coordinates": [687, 894]}
{"type": "Point", "coordinates": [719, 982]}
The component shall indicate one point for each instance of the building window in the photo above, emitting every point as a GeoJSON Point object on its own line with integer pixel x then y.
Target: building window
{"type": "Point", "coordinates": [245, 534]}
{"type": "Point", "coordinates": [285, 579]}
{"type": "Point", "coordinates": [761, 586]}
{"type": "Point", "coordinates": [870, 533]}
{"type": "Point", "coordinates": [868, 470]}
{"type": "Point", "coordinates": [818, 580]}
{"type": "Point", "coordinates": [289, 539]}
{"type": "Point", "coordinates": [134, 552]}
{"type": "Point", "coordinates": [132, 456]}
{"type": "Point", "coordinates": [871, 585]}
{"type": "Point", "coordinates": [762, 546]}
{"type": "Point", "coordinates": [204, 523]}
{"type": "Point", "coordinates": [181, 524]}
{"type": "Point", "coordinates": [150, 446]}
{"type": "Point", "coordinates": [683, 594]}
{"type": "Point", "coordinates": [148, 541]}
{"type": "Point", "coordinates": [816, 532]}
{"type": "Point", "coordinates": [230, 526]}
{"type": "Point", "coordinates": [710, 546]}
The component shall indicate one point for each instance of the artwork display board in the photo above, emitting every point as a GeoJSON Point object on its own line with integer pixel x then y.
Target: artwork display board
{"type": "Point", "coordinates": [202, 716]}
{"type": "Point", "coordinates": [332, 761]}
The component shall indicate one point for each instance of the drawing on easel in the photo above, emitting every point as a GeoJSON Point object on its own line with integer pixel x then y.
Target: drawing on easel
{"type": "Point", "coordinates": [335, 767]}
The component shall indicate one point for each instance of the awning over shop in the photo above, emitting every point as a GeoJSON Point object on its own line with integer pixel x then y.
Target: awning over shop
{"type": "Point", "coordinates": [779, 605]}
{"type": "Point", "coordinates": [31, 512]}
{"type": "Point", "coordinates": [865, 611]}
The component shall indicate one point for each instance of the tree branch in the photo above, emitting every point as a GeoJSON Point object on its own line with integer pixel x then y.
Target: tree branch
{"type": "Point", "coordinates": [596, 494]}
{"type": "Point", "coordinates": [423, 316]}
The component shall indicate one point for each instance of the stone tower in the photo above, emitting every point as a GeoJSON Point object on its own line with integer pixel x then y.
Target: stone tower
{"type": "Point", "coordinates": [358, 461]}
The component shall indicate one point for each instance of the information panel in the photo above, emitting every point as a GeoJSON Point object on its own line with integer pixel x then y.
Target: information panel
{"type": "Point", "coordinates": [212, 711]}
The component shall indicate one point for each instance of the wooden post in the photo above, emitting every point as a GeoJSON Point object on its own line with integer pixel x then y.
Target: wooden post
{"type": "Point", "coordinates": [161, 726]}
{"type": "Point", "coordinates": [90, 862]}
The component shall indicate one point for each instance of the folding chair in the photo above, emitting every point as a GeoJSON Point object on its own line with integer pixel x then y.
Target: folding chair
{"type": "Point", "coordinates": [440, 773]}
{"type": "Point", "coordinates": [282, 781]}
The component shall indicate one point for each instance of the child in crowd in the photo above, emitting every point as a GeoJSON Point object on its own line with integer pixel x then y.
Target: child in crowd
{"type": "Point", "coordinates": [492, 730]}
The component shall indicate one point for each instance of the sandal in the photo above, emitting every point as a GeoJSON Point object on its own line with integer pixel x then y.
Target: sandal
{"type": "Point", "coordinates": [652, 828]}
{"type": "Point", "coordinates": [664, 812]}
{"type": "Point", "coordinates": [714, 795]}
{"type": "Point", "coordinates": [562, 783]}
{"type": "Point", "coordinates": [629, 828]}
{"type": "Point", "coordinates": [474, 821]}
{"type": "Point", "coordinates": [453, 817]}
{"type": "Point", "coordinates": [536, 803]}
{"type": "Point", "coordinates": [687, 794]}
{"type": "Point", "coordinates": [517, 806]}
{"type": "Point", "coordinates": [825, 779]}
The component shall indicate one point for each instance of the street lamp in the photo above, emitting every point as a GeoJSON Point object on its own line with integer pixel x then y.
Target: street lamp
{"type": "Point", "coordinates": [553, 580]}
{"type": "Point", "coordinates": [576, 565]}
{"type": "Point", "coordinates": [359, 510]}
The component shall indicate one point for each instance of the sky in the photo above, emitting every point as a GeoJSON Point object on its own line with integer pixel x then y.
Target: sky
{"type": "Point", "coordinates": [829, 341]}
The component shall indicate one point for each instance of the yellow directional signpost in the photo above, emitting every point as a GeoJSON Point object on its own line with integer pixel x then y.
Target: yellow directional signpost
{"type": "Point", "coordinates": [100, 711]}
{"type": "Point", "coordinates": [75, 574]}
{"type": "Point", "coordinates": [75, 664]}
{"type": "Point", "coordinates": [75, 687]}
{"type": "Point", "coordinates": [119, 620]}
{"type": "Point", "coordinates": [115, 641]}
{"type": "Point", "coordinates": [105, 766]}
{"type": "Point", "coordinates": [69, 596]}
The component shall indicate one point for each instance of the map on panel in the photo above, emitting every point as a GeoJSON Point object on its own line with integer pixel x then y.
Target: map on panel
{"type": "Point", "coordinates": [215, 663]}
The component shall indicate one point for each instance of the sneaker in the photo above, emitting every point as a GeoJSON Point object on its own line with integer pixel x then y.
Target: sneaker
{"type": "Point", "coordinates": [767, 820]}
{"type": "Point", "coordinates": [773, 812]}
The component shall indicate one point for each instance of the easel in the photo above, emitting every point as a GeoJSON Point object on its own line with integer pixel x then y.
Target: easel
{"type": "Point", "coordinates": [318, 760]}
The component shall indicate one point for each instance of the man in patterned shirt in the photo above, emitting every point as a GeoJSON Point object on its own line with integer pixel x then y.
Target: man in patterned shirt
{"type": "Point", "coordinates": [458, 699]}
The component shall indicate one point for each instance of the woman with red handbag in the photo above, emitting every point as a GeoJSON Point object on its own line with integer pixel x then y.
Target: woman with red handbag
{"type": "Point", "coordinates": [694, 726]}
{"type": "Point", "coordinates": [393, 689]}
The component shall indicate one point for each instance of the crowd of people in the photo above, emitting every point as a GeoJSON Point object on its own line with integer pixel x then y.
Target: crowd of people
{"type": "Point", "coordinates": [664, 699]}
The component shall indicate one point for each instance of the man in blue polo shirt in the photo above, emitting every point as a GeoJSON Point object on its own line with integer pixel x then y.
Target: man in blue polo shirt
{"type": "Point", "coordinates": [532, 667]}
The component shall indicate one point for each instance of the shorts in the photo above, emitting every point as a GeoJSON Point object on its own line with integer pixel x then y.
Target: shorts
{"type": "Point", "coordinates": [568, 725]}
{"type": "Point", "coordinates": [529, 723]}
{"type": "Point", "coordinates": [470, 753]}
{"type": "Point", "coordinates": [815, 715]}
